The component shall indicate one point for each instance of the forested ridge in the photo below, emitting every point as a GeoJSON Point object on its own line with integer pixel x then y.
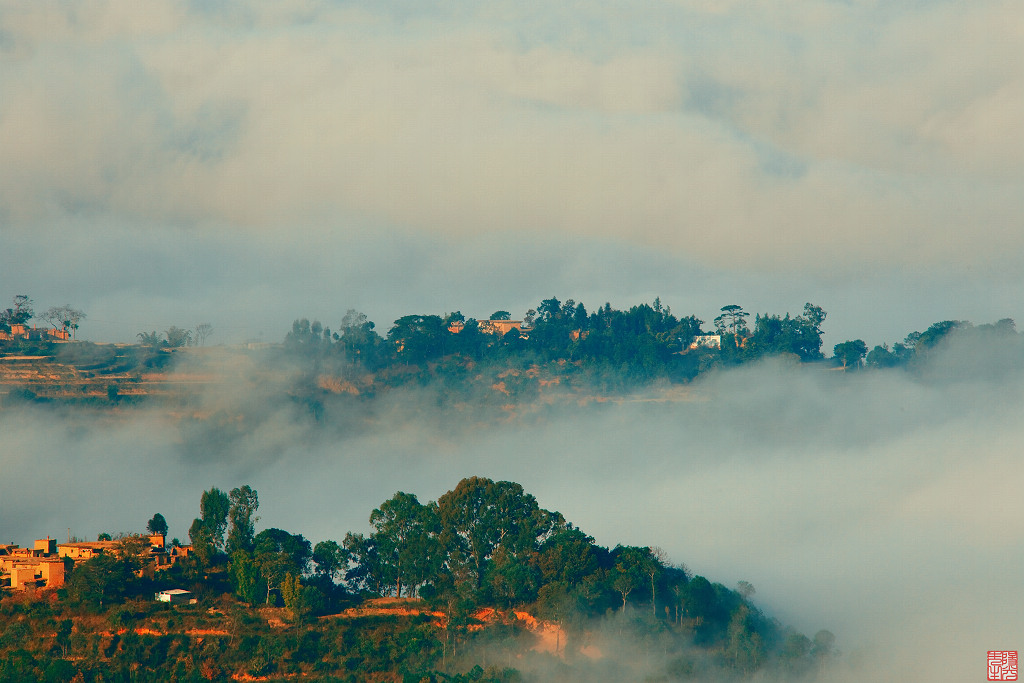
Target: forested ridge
{"type": "Point", "coordinates": [477, 568]}
{"type": "Point", "coordinates": [559, 348]}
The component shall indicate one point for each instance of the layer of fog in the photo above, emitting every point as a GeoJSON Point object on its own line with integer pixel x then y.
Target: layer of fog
{"type": "Point", "coordinates": [884, 506]}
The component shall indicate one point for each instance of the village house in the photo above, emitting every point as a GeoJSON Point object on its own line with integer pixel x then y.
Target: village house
{"type": "Point", "coordinates": [179, 552]}
{"type": "Point", "coordinates": [48, 563]}
{"type": "Point", "coordinates": [499, 327]}
{"type": "Point", "coordinates": [707, 341]}
{"type": "Point", "coordinates": [36, 567]}
{"type": "Point", "coordinates": [502, 327]}
{"type": "Point", "coordinates": [19, 331]}
{"type": "Point", "coordinates": [175, 596]}
{"type": "Point", "coordinates": [80, 551]}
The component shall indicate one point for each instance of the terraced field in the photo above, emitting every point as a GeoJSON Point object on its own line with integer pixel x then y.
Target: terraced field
{"type": "Point", "coordinates": [101, 372]}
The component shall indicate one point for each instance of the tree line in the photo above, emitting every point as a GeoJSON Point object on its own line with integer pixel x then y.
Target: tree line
{"type": "Point", "coordinates": [485, 542]}
{"type": "Point", "coordinates": [638, 344]}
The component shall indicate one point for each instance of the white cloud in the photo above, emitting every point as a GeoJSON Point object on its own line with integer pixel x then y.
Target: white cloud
{"type": "Point", "coordinates": [793, 133]}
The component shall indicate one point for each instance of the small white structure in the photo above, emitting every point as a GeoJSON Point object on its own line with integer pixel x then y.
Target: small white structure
{"type": "Point", "coordinates": [707, 341]}
{"type": "Point", "coordinates": [176, 596]}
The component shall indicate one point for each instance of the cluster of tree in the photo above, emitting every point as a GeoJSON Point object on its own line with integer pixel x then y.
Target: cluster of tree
{"type": "Point", "coordinates": [642, 343]}
{"type": "Point", "coordinates": [64, 318]}
{"type": "Point", "coordinates": [622, 347]}
{"type": "Point", "coordinates": [483, 543]}
{"type": "Point", "coordinates": [176, 337]}
{"type": "Point", "coordinates": [918, 345]}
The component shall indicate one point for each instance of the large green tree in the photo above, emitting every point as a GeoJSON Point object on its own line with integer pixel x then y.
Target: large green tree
{"type": "Point", "coordinates": [278, 553]}
{"type": "Point", "coordinates": [732, 319]}
{"type": "Point", "coordinates": [242, 515]}
{"type": "Point", "coordinates": [405, 538]}
{"type": "Point", "coordinates": [157, 525]}
{"type": "Point", "coordinates": [207, 531]}
{"type": "Point", "coordinates": [631, 565]}
{"type": "Point", "coordinates": [419, 338]}
{"type": "Point", "coordinates": [330, 559]}
{"type": "Point", "coordinates": [480, 514]}
{"type": "Point", "coordinates": [850, 353]}
{"type": "Point", "coordinates": [102, 580]}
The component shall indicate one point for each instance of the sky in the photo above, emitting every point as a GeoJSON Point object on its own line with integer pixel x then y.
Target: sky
{"type": "Point", "coordinates": [247, 164]}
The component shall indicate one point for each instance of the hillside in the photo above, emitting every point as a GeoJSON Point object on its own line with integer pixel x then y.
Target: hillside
{"type": "Point", "coordinates": [481, 585]}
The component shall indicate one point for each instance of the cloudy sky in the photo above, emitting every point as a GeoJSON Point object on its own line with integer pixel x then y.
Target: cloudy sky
{"type": "Point", "coordinates": [244, 164]}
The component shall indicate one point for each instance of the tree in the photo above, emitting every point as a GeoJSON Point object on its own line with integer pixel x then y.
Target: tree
{"type": "Point", "coordinates": [330, 559]}
{"type": "Point", "coordinates": [307, 337]}
{"type": "Point", "coordinates": [178, 337]}
{"type": "Point", "coordinates": [823, 643]}
{"type": "Point", "coordinates": [291, 593]}
{"type": "Point", "coordinates": [213, 508]}
{"type": "Point", "coordinates": [278, 553]}
{"type": "Point", "coordinates": [98, 581]}
{"type": "Point", "coordinates": [676, 578]}
{"type": "Point", "coordinates": [744, 647]}
{"type": "Point", "coordinates": [937, 332]}
{"type": "Point", "coordinates": [203, 332]}
{"type": "Point", "coordinates": [567, 556]}
{"type": "Point", "coordinates": [480, 514]}
{"type": "Point", "coordinates": [653, 565]}
{"type": "Point", "coordinates": [884, 357]}
{"type": "Point", "coordinates": [501, 315]}
{"type": "Point", "coordinates": [800, 335]}
{"type": "Point", "coordinates": [631, 564]}
{"type": "Point", "coordinates": [850, 353]}
{"type": "Point", "coordinates": [207, 531]}
{"type": "Point", "coordinates": [157, 525]}
{"type": "Point", "coordinates": [20, 312]}
{"type": "Point", "coordinates": [512, 578]}
{"type": "Point", "coordinates": [150, 339]}
{"type": "Point", "coordinates": [403, 535]}
{"type": "Point", "coordinates": [821, 648]}
{"type": "Point", "coordinates": [419, 338]}
{"type": "Point", "coordinates": [549, 309]}
{"type": "Point", "coordinates": [733, 318]}
{"type": "Point", "coordinates": [358, 338]}
{"type": "Point", "coordinates": [242, 515]}
{"type": "Point", "coordinates": [244, 576]}
{"type": "Point", "coordinates": [366, 573]}
{"type": "Point", "coordinates": [64, 318]}
{"type": "Point", "coordinates": [701, 601]}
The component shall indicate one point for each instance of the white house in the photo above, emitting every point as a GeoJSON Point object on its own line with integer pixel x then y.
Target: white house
{"type": "Point", "coordinates": [708, 341]}
{"type": "Point", "coordinates": [176, 596]}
